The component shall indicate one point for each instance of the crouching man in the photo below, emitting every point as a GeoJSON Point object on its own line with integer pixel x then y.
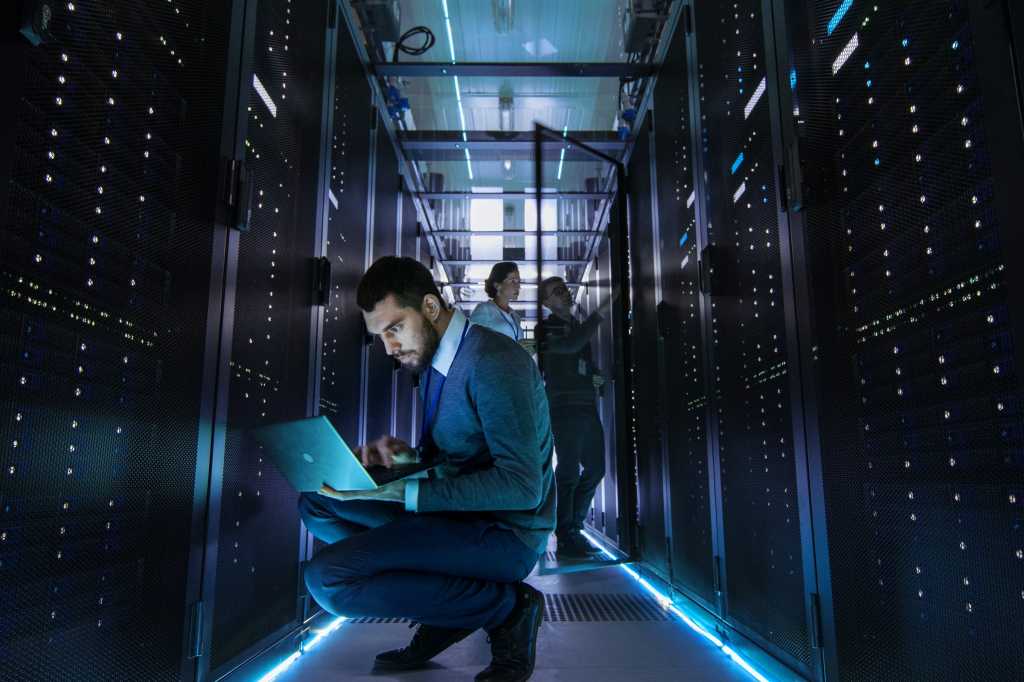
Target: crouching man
{"type": "Point", "coordinates": [449, 551]}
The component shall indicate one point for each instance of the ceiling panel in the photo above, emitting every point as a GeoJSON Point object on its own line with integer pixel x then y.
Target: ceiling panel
{"type": "Point", "coordinates": [579, 103]}
{"type": "Point", "coordinates": [541, 30]}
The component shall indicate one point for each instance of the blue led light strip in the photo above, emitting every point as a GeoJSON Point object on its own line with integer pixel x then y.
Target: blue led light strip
{"type": "Point", "coordinates": [287, 663]}
{"type": "Point", "coordinates": [737, 163]}
{"type": "Point", "coordinates": [836, 18]}
{"type": "Point", "coordinates": [669, 605]}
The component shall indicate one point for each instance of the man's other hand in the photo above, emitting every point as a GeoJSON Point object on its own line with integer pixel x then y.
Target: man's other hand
{"type": "Point", "coordinates": [598, 380]}
{"type": "Point", "coordinates": [389, 492]}
{"type": "Point", "coordinates": [386, 451]}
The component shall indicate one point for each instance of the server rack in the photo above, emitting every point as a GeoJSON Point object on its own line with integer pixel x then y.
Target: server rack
{"type": "Point", "coordinates": [115, 259]}
{"type": "Point", "coordinates": [901, 148]}
{"type": "Point", "coordinates": [680, 315]}
{"type": "Point", "coordinates": [648, 401]}
{"type": "Point", "coordinates": [891, 302]}
{"type": "Point", "coordinates": [258, 582]}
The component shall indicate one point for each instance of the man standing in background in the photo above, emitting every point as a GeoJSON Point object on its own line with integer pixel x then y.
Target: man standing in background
{"type": "Point", "coordinates": [571, 381]}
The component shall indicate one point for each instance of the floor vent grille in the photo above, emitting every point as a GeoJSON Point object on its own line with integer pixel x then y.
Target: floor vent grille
{"type": "Point", "coordinates": [581, 608]}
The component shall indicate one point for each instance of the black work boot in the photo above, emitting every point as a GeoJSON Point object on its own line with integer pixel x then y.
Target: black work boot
{"type": "Point", "coordinates": [428, 642]}
{"type": "Point", "coordinates": [575, 546]}
{"type": "Point", "coordinates": [514, 642]}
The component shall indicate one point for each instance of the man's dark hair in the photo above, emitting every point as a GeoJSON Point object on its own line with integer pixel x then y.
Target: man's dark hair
{"type": "Point", "coordinates": [546, 285]}
{"type": "Point", "coordinates": [498, 274]}
{"type": "Point", "coordinates": [406, 278]}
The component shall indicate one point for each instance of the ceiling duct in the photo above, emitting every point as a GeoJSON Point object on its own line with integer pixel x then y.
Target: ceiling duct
{"type": "Point", "coordinates": [382, 17]}
{"type": "Point", "coordinates": [640, 22]}
{"type": "Point", "coordinates": [502, 16]}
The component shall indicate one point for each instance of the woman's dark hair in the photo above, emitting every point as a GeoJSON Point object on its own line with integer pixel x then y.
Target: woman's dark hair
{"type": "Point", "coordinates": [498, 274]}
{"type": "Point", "coordinates": [406, 278]}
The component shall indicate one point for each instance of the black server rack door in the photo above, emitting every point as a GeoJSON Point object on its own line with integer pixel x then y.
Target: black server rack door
{"type": "Point", "coordinates": [607, 497]}
{"type": "Point", "coordinates": [405, 385]}
{"type": "Point", "coordinates": [257, 576]}
{"type": "Point", "coordinates": [344, 331]}
{"type": "Point", "coordinates": [682, 371]}
{"type": "Point", "coordinates": [381, 371]}
{"type": "Point", "coordinates": [646, 432]}
{"type": "Point", "coordinates": [764, 580]}
{"type": "Point", "coordinates": [106, 246]}
{"type": "Point", "coordinates": [918, 393]}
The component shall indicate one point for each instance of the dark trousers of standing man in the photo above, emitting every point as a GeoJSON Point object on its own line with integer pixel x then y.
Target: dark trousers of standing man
{"type": "Point", "coordinates": [579, 444]}
{"type": "Point", "coordinates": [451, 571]}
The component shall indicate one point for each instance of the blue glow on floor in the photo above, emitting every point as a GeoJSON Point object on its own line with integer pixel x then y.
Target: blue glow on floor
{"type": "Point", "coordinates": [287, 663]}
{"type": "Point", "coordinates": [669, 605]}
{"type": "Point", "coordinates": [665, 602]}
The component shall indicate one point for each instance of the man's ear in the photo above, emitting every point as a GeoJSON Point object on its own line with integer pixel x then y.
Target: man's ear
{"type": "Point", "coordinates": [431, 307]}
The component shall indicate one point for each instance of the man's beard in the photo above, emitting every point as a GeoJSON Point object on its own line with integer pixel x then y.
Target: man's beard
{"type": "Point", "coordinates": [429, 342]}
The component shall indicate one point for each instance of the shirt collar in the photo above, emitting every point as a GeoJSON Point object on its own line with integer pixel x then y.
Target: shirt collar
{"type": "Point", "coordinates": [449, 346]}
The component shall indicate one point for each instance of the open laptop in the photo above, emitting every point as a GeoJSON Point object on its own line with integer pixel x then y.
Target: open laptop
{"type": "Point", "coordinates": [309, 452]}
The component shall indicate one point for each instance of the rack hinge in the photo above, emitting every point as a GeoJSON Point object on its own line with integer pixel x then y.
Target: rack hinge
{"type": "Point", "coordinates": [236, 194]}
{"type": "Point", "coordinates": [815, 621]}
{"type": "Point", "coordinates": [717, 574]}
{"type": "Point", "coordinates": [321, 281]}
{"type": "Point", "coordinates": [195, 630]}
{"type": "Point", "coordinates": [783, 189]}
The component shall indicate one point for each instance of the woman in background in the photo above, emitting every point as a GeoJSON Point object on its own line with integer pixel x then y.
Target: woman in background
{"type": "Point", "coordinates": [502, 288]}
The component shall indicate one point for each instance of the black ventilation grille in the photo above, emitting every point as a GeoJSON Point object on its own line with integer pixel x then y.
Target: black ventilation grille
{"type": "Point", "coordinates": [580, 608]}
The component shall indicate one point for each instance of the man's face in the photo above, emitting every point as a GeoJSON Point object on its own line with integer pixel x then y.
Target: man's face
{"type": "Point", "coordinates": [558, 296]}
{"type": "Point", "coordinates": [406, 333]}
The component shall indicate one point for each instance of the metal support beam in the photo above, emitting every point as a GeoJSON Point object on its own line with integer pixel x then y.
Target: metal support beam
{"type": "Point", "coordinates": [457, 263]}
{"type": "Point", "coordinates": [514, 195]}
{"type": "Point", "coordinates": [516, 69]}
{"type": "Point", "coordinates": [463, 285]}
{"type": "Point", "coordinates": [507, 233]}
{"type": "Point", "coordinates": [448, 145]}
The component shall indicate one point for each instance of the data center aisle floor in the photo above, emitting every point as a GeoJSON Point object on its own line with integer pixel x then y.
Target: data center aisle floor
{"type": "Point", "coordinates": [599, 626]}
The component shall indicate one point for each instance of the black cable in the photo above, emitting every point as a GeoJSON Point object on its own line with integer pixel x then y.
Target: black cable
{"type": "Point", "coordinates": [428, 42]}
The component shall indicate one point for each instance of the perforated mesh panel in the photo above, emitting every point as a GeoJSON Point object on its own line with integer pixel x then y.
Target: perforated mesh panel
{"type": "Point", "coordinates": [683, 380]}
{"type": "Point", "coordinates": [649, 372]}
{"type": "Point", "coordinates": [381, 374]}
{"type": "Point", "coordinates": [257, 570]}
{"type": "Point", "coordinates": [340, 391]}
{"type": "Point", "coordinates": [764, 580]}
{"type": "Point", "coordinates": [920, 397]}
{"type": "Point", "coordinates": [606, 499]}
{"type": "Point", "coordinates": [105, 251]}
{"type": "Point", "coordinates": [405, 399]}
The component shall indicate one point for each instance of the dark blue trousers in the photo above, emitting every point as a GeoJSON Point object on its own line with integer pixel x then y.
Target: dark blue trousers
{"type": "Point", "coordinates": [448, 570]}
